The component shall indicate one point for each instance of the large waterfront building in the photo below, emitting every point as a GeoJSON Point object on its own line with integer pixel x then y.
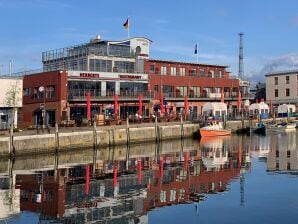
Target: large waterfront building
{"type": "Point", "coordinates": [122, 68]}
{"type": "Point", "coordinates": [282, 87]}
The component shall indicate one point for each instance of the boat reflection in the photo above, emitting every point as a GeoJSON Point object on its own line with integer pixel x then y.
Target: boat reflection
{"type": "Point", "coordinates": [125, 186]}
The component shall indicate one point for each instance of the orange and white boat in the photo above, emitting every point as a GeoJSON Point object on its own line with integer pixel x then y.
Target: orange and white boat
{"type": "Point", "coordinates": [214, 128]}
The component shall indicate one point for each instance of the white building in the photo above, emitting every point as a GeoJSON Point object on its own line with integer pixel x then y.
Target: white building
{"type": "Point", "coordinates": [282, 87]}
{"type": "Point", "coordinates": [11, 93]}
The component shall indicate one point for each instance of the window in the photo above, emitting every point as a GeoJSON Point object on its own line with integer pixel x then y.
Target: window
{"type": "Point", "coordinates": [276, 92]}
{"type": "Point", "coordinates": [219, 74]}
{"type": "Point", "coordinates": [202, 72]}
{"type": "Point", "coordinates": [50, 92]}
{"type": "Point", "coordinates": [152, 68]}
{"type": "Point", "coordinates": [287, 92]}
{"type": "Point", "coordinates": [182, 71]}
{"type": "Point", "coordinates": [211, 73]}
{"type": "Point", "coordinates": [193, 72]}
{"type": "Point", "coordinates": [37, 94]}
{"type": "Point", "coordinates": [173, 71]}
{"type": "Point", "coordinates": [155, 88]}
{"type": "Point", "coordinates": [287, 79]}
{"type": "Point", "coordinates": [276, 80]}
{"type": "Point", "coordinates": [27, 91]}
{"type": "Point", "coordinates": [163, 70]}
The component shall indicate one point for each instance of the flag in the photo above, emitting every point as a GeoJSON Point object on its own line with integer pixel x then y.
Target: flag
{"type": "Point", "coordinates": [196, 49]}
{"type": "Point", "coordinates": [126, 24]}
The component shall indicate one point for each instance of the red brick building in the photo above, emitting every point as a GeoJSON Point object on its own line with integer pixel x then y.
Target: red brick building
{"type": "Point", "coordinates": [55, 100]}
{"type": "Point", "coordinates": [201, 83]}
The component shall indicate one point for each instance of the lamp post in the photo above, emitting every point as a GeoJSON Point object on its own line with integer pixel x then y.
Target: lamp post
{"type": "Point", "coordinates": [42, 90]}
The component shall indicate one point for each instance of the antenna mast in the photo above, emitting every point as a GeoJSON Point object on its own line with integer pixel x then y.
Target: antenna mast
{"type": "Point", "coordinates": [240, 72]}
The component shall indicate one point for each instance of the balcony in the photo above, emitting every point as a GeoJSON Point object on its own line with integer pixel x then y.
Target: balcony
{"type": "Point", "coordinates": [80, 95]}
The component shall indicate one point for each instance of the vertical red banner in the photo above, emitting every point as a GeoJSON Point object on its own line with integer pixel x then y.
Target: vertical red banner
{"type": "Point", "coordinates": [88, 105]}
{"type": "Point", "coordinates": [185, 106]}
{"type": "Point", "coordinates": [87, 185]}
{"type": "Point", "coordinates": [140, 177]}
{"type": "Point", "coordinates": [115, 174]}
{"type": "Point", "coordinates": [116, 106]}
{"type": "Point", "coordinates": [162, 106]}
{"type": "Point", "coordinates": [140, 105]}
{"type": "Point", "coordinates": [186, 158]}
{"type": "Point", "coordinates": [161, 168]}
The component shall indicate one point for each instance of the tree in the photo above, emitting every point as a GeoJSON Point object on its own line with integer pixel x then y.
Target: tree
{"type": "Point", "coordinates": [13, 99]}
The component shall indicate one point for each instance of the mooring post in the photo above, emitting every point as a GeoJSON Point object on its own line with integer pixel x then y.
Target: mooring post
{"type": "Point", "coordinates": [11, 146]}
{"type": "Point", "coordinates": [156, 130]}
{"type": "Point", "coordinates": [94, 136]}
{"type": "Point", "coordinates": [57, 137]}
{"type": "Point", "coordinates": [127, 130]}
{"type": "Point", "coordinates": [181, 125]}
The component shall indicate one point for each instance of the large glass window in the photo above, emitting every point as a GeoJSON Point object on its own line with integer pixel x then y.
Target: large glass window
{"type": "Point", "coordinates": [132, 88]}
{"type": "Point", "coordinates": [168, 90]}
{"type": "Point", "coordinates": [124, 66]}
{"type": "Point", "coordinates": [202, 72]}
{"type": "Point", "coordinates": [119, 50]}
{"type": "Point", "coordinates": [97, 65]}
{"type": "Point", "coordinates": [110, 87]}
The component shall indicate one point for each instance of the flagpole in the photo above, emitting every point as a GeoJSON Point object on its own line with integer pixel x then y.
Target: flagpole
{"type": "Point", "coordinates": [197, 54]}
{"type": "Point", "coordinates": [128, 36]}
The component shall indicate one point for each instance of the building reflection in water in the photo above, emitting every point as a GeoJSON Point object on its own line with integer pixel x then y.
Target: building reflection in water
{"type": "Point", "coordinates": [125, 190]}
{"type": "Point", "coordinates": [283, 155]}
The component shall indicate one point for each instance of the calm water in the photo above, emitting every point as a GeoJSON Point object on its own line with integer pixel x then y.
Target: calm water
{"type": "Point", "coordinates": [223, 180]}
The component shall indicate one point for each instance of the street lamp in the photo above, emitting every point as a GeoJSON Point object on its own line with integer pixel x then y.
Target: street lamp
{"type": "Point", "coordinates": [42, 90]}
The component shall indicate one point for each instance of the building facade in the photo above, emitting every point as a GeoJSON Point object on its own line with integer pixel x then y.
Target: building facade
{"type": "Point", "coordinates": [200, 83]}
{"type": "Point", "coordinates": [282, 87]}
{"type": "Point", "coordinates": [123, 68]}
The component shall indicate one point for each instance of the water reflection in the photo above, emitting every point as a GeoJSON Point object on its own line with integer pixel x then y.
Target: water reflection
{"type": "Point", "coordinates": [122, 185]}
{"type": "Point", "coordinates": [283, 153]}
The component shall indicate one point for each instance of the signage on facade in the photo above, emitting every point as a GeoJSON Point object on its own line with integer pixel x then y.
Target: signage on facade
{"type": "Point", "coordinates": [89, 75]}
{"type": "Point", "coordinates": [130, 76]}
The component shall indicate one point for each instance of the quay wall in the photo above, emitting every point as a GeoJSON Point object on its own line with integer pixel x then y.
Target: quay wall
{"type": "Point", "coordinates": [47, 143]}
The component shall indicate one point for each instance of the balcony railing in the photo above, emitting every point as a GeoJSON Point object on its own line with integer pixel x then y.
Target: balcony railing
{"type": "Point", "coordinates": [232, 95]}
{"type": "Point", "coordinates": [80, 94]}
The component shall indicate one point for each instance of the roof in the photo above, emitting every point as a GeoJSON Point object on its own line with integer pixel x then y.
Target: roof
{"type": "Point", "coordinates": [187, 63]}
{"type": "Point", "coordinates": [259, 106]}
{"type": "Point", "coordinates": [285, 72]}
{"type": "Point", "coordinates": [217, 106]}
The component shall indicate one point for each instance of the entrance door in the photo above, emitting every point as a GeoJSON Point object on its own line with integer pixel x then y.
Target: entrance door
{"type": "Point", "coordinates": [51, 117]}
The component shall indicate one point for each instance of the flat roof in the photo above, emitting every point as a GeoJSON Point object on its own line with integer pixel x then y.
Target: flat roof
{"type": "Point", "coordinates": [285, 72]}
{"type": "Point", "coordinates": [187, 63]}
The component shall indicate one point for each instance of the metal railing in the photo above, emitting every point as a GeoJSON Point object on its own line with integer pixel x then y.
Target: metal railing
{"type": "Point", "coordinates": [80, 94]}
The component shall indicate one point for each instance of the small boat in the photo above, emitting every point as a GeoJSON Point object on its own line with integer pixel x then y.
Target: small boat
{"type": "Point", "coordinates": [260, 129]}
{"type": "Point", "coordinates": [282, 127]}
{"type": "Point", "coordinates": [214, 128]}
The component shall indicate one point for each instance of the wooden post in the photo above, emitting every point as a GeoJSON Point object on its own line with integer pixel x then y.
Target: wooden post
{"type": "Point", "coordinates": [57, 137]}
{"type": "Point", "coordinates": [127, 130]}
{"type": "Point", "coordinates": [94, 136]}
{"type": "Point", "coordinates": [10, 148]}
{"type": "Point", "coordinates": [181, 125]}
{"type": "Point", "coordinates": [156, 130]}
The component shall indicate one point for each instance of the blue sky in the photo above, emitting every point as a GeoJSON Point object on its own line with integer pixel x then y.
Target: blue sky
{"type": "Point", "coordinates": [29, 27]}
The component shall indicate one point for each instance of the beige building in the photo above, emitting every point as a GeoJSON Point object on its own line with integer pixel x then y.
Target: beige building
{"type": "Point", "coordinates": [282, 87]}
{"type": "Point", "coordinates": [11, 92]}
